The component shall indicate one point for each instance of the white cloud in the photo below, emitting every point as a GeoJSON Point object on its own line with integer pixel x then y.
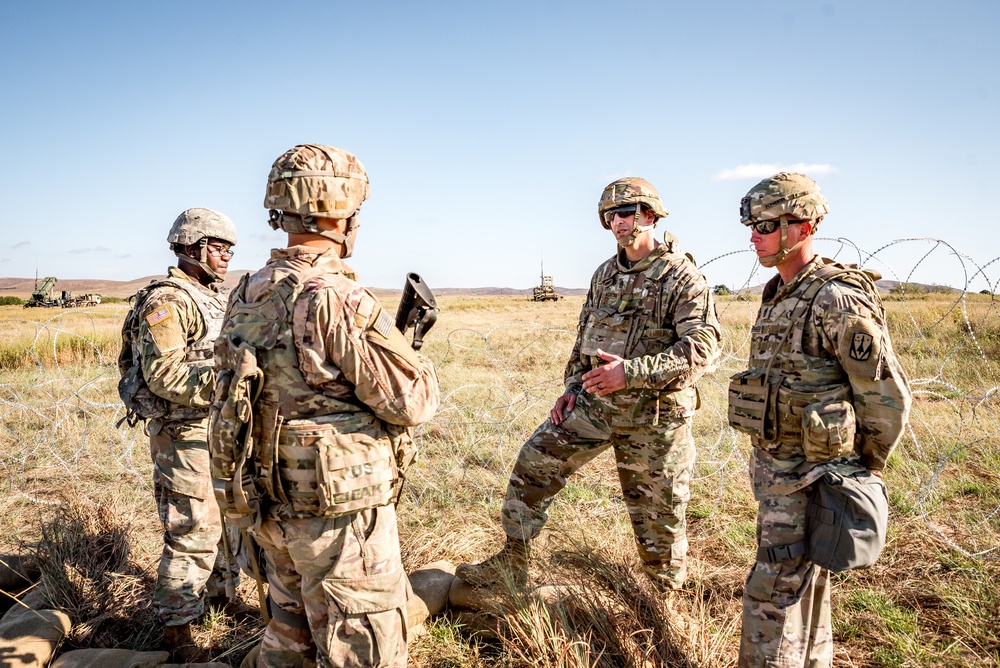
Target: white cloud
{"type": "Point", "coordinates": [757, 170]}
{"type": "Point", "coordinates": [21, 244]}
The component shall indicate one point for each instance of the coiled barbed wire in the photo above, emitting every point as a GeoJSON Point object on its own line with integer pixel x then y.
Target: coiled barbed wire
{"type": "Point", "coordinates": [59, 402]}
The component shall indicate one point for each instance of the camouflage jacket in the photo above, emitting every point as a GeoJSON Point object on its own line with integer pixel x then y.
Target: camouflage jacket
{"type": "Point", "coordinates": [659, 315]}
{"type": "Point", "coordinates": [824, 339]}
{"type": "Point", "coordinates": [178, 322]}
{"type": "Point", "coordinates": [350, 357]}
{"type": "Point", "coordinates": [338, 387]}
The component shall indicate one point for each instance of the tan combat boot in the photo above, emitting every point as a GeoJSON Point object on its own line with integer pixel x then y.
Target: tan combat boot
{"type": "Point", "coordinates": [181, 645]}
{"type": "Point", "coordinates": [510, 564]}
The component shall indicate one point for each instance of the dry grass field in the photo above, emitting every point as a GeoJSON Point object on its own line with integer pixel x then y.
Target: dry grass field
{"type": "Point", "coordinates": [77, 487]}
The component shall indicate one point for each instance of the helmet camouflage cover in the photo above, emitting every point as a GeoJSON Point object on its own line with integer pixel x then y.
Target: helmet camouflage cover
{"type": "Point", "coordinates": [626, 191]}
{"type": "Point", "coordinates": [313, 180]}
{"type": "Point", "coordinates": [785, 194]}
{"type": "Point", "coordinates": [196, 224]}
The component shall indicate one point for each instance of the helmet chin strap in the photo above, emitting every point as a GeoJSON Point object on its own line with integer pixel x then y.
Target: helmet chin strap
{"type": "Point", "coordinates": [307, 224]}
{"type": "Point", "coordinates": [783, 252]}
{"type": "Point", "coordinates": [202, 262]}
{"type": "Point", "coordinates": [637, 229]}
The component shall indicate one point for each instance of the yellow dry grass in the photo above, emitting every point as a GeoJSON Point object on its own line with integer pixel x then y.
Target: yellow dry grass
{"type": "Point", "coordinates": [931, 600]}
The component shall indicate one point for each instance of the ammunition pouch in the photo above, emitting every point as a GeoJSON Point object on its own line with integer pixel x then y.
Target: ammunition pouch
{"type": "Point", "coordinates": [828, 430]}
{"type": "Point", "coordinates": [325, 472]}
{"type": "Point", "coordinates": [787, 422]}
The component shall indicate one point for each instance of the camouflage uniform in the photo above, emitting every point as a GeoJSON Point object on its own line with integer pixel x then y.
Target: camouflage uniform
{"type": "Point", "coordinates": [822, 344]}
{"type": "Point", "coordinates": [659, 316]}
{"type": "Point", "coordinates": [339, 373]}
{"type": "Point", "coordinates": [179, 321]}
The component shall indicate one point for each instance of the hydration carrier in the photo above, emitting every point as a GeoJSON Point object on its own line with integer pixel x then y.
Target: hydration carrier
{"type": "Point", "coordinates": [140, 402]}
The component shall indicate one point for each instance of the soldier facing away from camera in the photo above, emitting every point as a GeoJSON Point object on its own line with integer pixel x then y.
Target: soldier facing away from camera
{"type": "Point", "coordinates": [313, 368]}
{"type": "Point", "coordinates": [647, 332]}
{"type": "Point", "coordinates": [168, 377]}
{"type": "Point", "coordinates": [823, 393]}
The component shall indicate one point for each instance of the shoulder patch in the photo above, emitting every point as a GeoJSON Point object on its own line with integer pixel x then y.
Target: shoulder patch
{"type": "Point", "coordinates": [161, 314]}
{"type": "Point", "coordinates": [861, 347]}
{"type": "Point", "coordinates": [384, 323]}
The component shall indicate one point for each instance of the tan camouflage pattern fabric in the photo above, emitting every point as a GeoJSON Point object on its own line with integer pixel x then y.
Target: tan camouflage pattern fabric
{"type": "Point", "coordinates": [343, 577]}
{"type": "Point", "coordinates": [196, 224]}
{"type": "Point", "coordinates": [784, 194]}
{"type": "Point", "coordinates": [339, 367]}
{"type": "Point", "coordinates": [193, 565]}
{"type": "Point", "coordinates": [315, 180]}
{"type": "Point", "coordinates": [837, 350]}
{"type": "Point", "coordinates": [630, 190]}
{"type": "Point", "coordinates": [660, 316]}
{"type": "Point", "coordinates": [177, 326]}
{"type": "Point", "coordinates": [786, 604]}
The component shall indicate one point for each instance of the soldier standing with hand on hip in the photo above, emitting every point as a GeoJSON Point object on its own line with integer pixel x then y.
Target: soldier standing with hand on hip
{"type": "Point", "coordinates": [314, 367]}
{"type": "Point", "coordinates": [648, 331]}
{"type": "Point", "coordinates": [824, 393]}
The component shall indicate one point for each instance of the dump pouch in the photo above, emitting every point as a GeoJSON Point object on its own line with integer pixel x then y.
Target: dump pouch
{"type": "Point", "coordinates": [751, 405]}
{"type": "Point", "coordinates": [847, 520]}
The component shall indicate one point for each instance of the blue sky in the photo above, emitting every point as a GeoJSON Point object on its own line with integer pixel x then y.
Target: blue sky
{"type": "Point", "coordinates": [490, 129]}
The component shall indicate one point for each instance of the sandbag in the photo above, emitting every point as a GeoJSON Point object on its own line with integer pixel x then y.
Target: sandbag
{"type": "Point", "coordinates": [431, 585]}
{"type": "Point", "coordinates": [29, 640]}
{"type": "Point", "coordinates": [110, 658]}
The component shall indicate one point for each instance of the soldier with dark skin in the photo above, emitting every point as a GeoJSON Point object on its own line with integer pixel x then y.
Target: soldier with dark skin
{"type": "Point", "coordinates": [647, 332]}
{"type": "Point", "coordinates": [178, 319]}
{"type": "Point", "coordinates": [822, 358]}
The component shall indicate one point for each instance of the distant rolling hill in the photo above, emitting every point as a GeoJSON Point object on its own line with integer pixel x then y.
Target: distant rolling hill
{"type": "Point", "coordinates": [22, 287]}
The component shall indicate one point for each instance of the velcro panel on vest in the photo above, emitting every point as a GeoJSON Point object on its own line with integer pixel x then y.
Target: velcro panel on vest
{"type": "Point", "coordinates": [748, 394]}
{"type": "Point", "coordinates": [331, 473]}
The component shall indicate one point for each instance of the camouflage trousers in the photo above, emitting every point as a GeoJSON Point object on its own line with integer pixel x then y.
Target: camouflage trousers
{"type": "Point", "coordinates": [654, 468]}
{"type": "Point", "coordinates": [786, 603]}
{"type": "Point", "coordinates": [192, 564]}
{"type": "Point", "coordinates": [338, 591]}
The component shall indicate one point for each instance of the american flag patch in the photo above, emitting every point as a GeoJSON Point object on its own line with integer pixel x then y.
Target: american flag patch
{"type": "Point", "coordinates": [384, 324]}
{"type": "Point", "coordinates": [158, 316]}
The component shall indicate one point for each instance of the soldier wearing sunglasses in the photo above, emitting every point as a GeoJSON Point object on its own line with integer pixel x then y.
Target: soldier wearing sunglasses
{"type": "Point", "coordinates": [648, 331]}
{"type": "Point", "coordinates": [824, 393]}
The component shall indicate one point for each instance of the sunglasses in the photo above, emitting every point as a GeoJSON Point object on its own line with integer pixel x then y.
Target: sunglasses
{"type": "Point", "coordinates": [766, 226]}
{"type": "Point", "coordinates": [623, 211]}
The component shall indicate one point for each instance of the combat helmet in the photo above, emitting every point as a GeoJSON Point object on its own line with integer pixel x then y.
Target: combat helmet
{"type": "Point", "coordinates": [311, 181]}
{"type": "Point", "coordinates": [626, 192]}
{"type": "Point", "coordinates": [785, 197]}
{"type": "Point", "coordinates": [194, 227]}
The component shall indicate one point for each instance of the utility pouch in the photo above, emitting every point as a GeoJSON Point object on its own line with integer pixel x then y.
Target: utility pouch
{"type": "Point", "coordinates": [330, 473]}
{"type": "Point", "coordinates": [828, 430]}
{"type": "Point", "coordinates": [750, 405]}
{"type": "Point", "coordinates": [354, 472]}
{"type": "Point", "coordinates": [847, 520]}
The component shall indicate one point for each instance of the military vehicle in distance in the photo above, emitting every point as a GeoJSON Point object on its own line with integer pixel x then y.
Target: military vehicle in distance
{"type": "Point", "coordinates": [42, 297]}
{"type": "Point", "coordinates": [546, 291]}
